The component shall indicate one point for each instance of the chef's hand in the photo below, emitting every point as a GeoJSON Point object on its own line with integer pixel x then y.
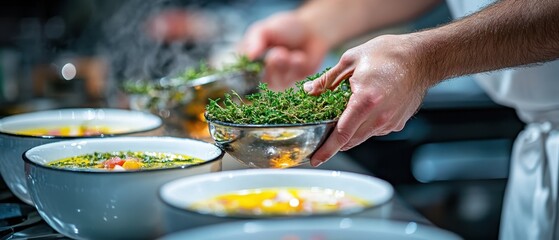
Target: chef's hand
{"type": "Point", "coordinates": [387, 90]}
{"type": "Point", "coordinates": [182, 25]}
{"type": "Point", "coordinates": [293, 50]}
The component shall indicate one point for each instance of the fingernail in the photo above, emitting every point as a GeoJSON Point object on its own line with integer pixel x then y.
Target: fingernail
{"type": "Point", "coordinates": [307, 86]}
{"type": "Point", "coordinates": [316, 163]}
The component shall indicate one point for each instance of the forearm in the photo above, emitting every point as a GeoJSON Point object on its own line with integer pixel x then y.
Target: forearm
{"type": "Point", "coordinates": [339, 20]}
{"type": "Point", "coordinates": [506, 34]}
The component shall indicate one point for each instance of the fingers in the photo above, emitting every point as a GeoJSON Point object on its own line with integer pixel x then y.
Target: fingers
{"type": "Point", "coordinates": [284, 67]}
{"type": "Point", "coordinates": [337, 138]}
{"type": "Point", "coordinates": [277, 64]}
{"type": "Point", "coordinates": [297, 70]}
{"type": "Point", "coordinates": [354, 116]}
{"type": "Point", "coordinates": [273, 31]}
{"type": "Point", "coordinates": [377, 126]}
{"type": "Point", "coordinates": [367, 130]}
{"type": "Point", "coordinates": [364, 132]}
{"type": "Point", "coordinates": [330, 79]}
{"type": "Point", "coordinates": [255, 42]}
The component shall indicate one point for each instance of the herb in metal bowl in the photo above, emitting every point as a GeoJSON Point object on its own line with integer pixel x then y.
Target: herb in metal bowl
{"type": "Point", "coordinates": [291, 106]}
{"type": "Point", "coordinates": [170, 91]}
{"type": "Point", "coordinates": [241, 64]}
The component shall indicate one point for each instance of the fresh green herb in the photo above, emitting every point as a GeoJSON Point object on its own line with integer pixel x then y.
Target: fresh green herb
{"type": "Point", "coordinates": [241, 64]}
{"type": "Point", "coordinates": [291, 106]}
{"type": "Point", "coordinates": [170, 91]}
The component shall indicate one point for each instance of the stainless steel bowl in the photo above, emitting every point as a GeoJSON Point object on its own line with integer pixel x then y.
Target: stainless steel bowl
{"type": "Point", "coordinates": [182, 105]}
{"type": "Point", "coordinates": [270, 146]}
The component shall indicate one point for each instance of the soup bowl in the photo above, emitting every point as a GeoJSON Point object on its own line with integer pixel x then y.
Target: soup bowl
{"type": "Point", "coordinates": [21, 132]}
{"type": "Point", "coordinates": [316, 228]}
{"type": "Point", "coordinates": [182, 197]}
{"type": "Point", "coordinates": [97, 204]}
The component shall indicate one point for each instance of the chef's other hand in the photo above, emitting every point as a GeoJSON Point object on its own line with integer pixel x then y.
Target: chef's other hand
{"type": "Point", "coordinates": [387, 90]}
{"type": "Point", "coordinates": [292, 51]}
{"type": "Point", "coordinates": [182, 25]}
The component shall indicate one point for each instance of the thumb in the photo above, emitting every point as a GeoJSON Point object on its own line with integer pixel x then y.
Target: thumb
{"type": "Point", "coordinates": [328, 80]}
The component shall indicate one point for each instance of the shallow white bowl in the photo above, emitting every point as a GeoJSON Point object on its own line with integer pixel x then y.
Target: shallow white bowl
{"type": "Point", "coordinates": [316, 228]}
{"type": "Point", "coordinates": [12, 144]}
{"type": "Point", "coordinates": [108, 205]}
{"type": "Point", "coordinates": [178, 195]}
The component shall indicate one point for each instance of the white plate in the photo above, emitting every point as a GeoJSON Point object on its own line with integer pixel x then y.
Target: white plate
{"type": "Point", "coordinates": [316, 229]}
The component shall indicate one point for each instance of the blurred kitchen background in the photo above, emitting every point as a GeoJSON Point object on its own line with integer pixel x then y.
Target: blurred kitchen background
{"type": "Point", "coordinates": [450, 163]}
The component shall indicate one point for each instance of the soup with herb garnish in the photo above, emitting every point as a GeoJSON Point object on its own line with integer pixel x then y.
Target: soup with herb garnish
{"type": "Point", "coordinates": [125, 160]}
{"type": "Point", "coordinates": [69, 131]}
{"type": "Point", "coordinates": [280, 202]}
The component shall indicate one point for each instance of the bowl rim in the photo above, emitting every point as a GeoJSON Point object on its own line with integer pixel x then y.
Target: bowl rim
{"type": "Point", "coordinates": [156, 126]}
{"type": "Point", "coordinates": [357, 223]}
{"type": "Point", "coordinates": [248, 217]}
{"type": "Point", "coordinates": [214, 77]}
{"type": "Point", "coordinates": [282, 125]}
{"type": "Point", "coordinates": [178, 82]}
{"type": "Point", "coordinates": [26, 160]}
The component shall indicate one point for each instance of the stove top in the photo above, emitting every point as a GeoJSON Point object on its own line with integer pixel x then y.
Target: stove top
{"type": "Point", "coordinates": [19, 220]}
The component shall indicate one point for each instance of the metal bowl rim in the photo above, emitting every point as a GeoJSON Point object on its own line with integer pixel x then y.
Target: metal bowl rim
{"type": "Point", "coordinates": [283, 125]}
{"type": "Point", "coordinates": [215, 77]}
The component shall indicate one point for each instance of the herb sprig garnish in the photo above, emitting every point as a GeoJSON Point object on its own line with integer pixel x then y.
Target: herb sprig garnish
{"type": "Point", "coordinates": [146, 87]}
{"type": "Point", "coordinates": [291, 106]}
{"type": "Point", "coordinates": [169, 92]}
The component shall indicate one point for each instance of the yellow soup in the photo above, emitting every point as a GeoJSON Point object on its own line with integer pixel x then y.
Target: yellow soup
{"type": "Point", "coordinates": [280, 202]}
{"type": "Point", "coordinates": [122, 161]}
{"type": "Point", "coordinates": [68, 131]}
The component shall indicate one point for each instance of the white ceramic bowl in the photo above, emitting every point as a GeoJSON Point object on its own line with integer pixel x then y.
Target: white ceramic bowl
{"type": "Point", "coordinates": [316, 228]}
{"type": "Point", "coordinates": [103, 204]}
{"type": "Point", "coordinates": [13, 144]}
{"type": "Point", "coordinates": [178, 195]}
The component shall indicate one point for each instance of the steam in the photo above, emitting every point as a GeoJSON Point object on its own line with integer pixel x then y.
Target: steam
{"type": "Point", "coordinates": [134, 54]}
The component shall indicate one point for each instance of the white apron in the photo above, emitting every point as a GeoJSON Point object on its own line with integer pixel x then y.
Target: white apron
{"type": "Point", "coordinates": [530, 204]}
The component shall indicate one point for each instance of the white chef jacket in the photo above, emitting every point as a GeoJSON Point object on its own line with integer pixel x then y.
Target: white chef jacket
{"type": "Point", "coordinates": [530, 204]}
